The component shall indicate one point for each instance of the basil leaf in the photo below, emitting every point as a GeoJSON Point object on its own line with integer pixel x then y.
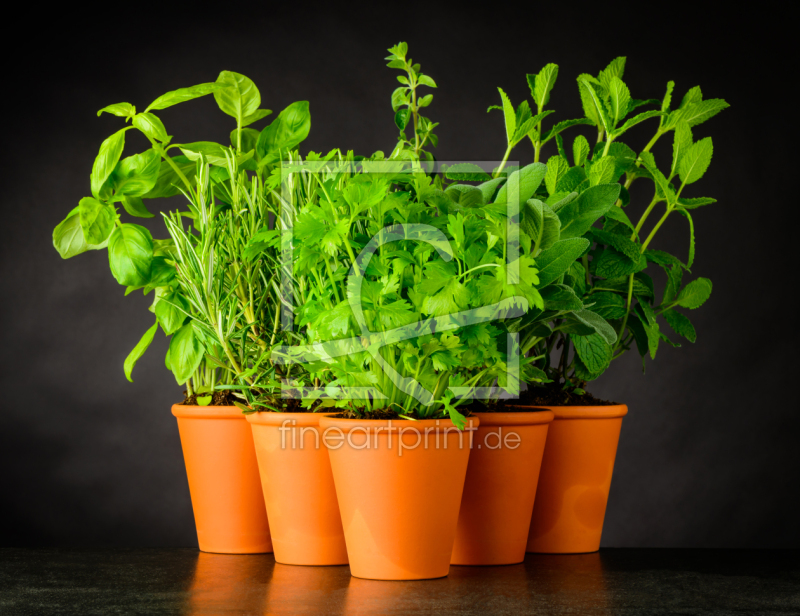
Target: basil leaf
{"type": "Point", "coordinates": [130, 253]}
{"type": "Point", "coordinates": [97, 220]}
{"type": "Point", "coordinates": [138, 351]}
{"type": "Point", "coordinates": [107, 159]}
{"type": "Point", "coordinates": [186, 352]}
{"type": "Point", "coordinates": [239, 97]}
{"type": "Point", "coordinates": [183, 94]}
{"type": "Point", "coordinates": [285, 132]}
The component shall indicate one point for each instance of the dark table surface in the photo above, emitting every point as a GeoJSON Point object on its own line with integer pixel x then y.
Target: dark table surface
{"type": "Point", "coordinates": [185, 581]}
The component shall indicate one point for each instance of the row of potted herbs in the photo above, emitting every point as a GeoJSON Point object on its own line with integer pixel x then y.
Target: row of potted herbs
{"type": "Point", "coordinates": [387, 356]}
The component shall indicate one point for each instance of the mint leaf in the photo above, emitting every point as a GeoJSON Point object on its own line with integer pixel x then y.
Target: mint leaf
{"type": "Point", "coordinates": [543, 84]}
{"type": "Point", "coordinates": [637, 119]}
{"type": "Point", "coordinates": [509, 115]}
{"type": "Point", "coordinates": [693, 204]}
{"type": "Point", "coordinates": [578, 216]}
{"type": "Point", "coordinates": [580, 150]}
{"type": "Point", "coordinates": [557, 168]}
{"type": "Point", "coordinates": [557, 259]}
{"type": "Point", "coordinates": [695, 293]}
{"type": "Point", "coordinates": [620, 97]}
{"type": "Point", "coordinates": [594, 351]}
{"type": "Point", "coordinates": [680, 145]}
{"type": "Point", "coordinates": [680, 324]}
{"type": "Point", "coordinates": [615, 68]}
{"type": "Point", "coordinates": [608, 305]}
{"type": "Point", "coordinates": [695, 162]}
{"type": "Point", "coordinates": [466, 172]}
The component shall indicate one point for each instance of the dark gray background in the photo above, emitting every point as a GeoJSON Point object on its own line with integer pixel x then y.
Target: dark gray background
{"type": "Point", "coordinates": [708, 455]}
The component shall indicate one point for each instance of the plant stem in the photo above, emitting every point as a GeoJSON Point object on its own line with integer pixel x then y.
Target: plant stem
{"type": "Point", "coordinates": [503, 163]}
{"type": "Point", "coordinates": [627, 312]}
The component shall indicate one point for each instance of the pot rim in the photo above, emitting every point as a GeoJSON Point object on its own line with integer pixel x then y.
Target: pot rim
{"type": "Point", "coordinates": [530, 418]}
{"type": "Point", "coordinates": [609, 411]}
{"type": "Point", "coordinates": [435, 425]}
{"type": "Point", "coordinates": [207, 412]}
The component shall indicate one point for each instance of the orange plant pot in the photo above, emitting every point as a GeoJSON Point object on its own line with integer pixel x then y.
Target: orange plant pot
{"type": "Point", "coordinates": [575, 479]}
{"type": "Point", "coordinates": [221, 466]}
{"type": "Point", "coordinates": [298, 489]}
{"type": "Point", "coordinates": [399, 485]}
{"type": "Point", "coordinates": [500, 488]}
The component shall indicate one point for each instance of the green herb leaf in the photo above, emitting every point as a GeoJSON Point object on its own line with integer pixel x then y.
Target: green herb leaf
{"type": "Point", "coordinates": [68, 237]}
{"type": "Point", "coordinates": [122, 110]}
{"type": "Point", "coordinates": [527, 180]}
{"type": "Point", "coordinates": [183, 94]}
{"type": "Point", "coordinates": [608, 305]}
{"type": "Point", "coordinates": [580, 150]}
{"type": "Point", "coordinates": [557, 259]}
{"type": "Point", "coordinates": [564, 125]}
{"type": "Point", "coordinates": [136, 175]}
{"type": "Point", "coordinates": [693, 204]}
{"type": "Point", "coordinates": [186, 352]}
{"type": "Point", "coordinates": [595, 323]}
{"type": "Point", "coordinates": [138, 351]}
{"type": "Point", "coordinates": [596, 99]}
{"type": "Point", "coordinates": [543, 84]}
{"type": "Point", "coordinates": [466, 172]}
{"type": "Point", "coordinates": [259, 114]}
{"type": "Point", "coordinates": [695, 294]}
{"type": "Point", "coordinates": [151, 126]}
{"type": "Point", "coordinates": [557, 168]}
{"type": "Point", "coordinates": [171, 311]}
{"type": "Point", "coordinates": [594, 351]}
{"type": "Point", "coordinates": [509, 115]}
{"type": "Point", "coordinates": [681, 143]}
{"type": "Point", "coordinates": [577, 217]}
{"type": "Point", "coordinates": [97, 220]}
{"type": "Point", "coordinates": [107, 159]}
{"type": "Point", "coordinates": [239, 97]}
{"type": "Point", "coordinates": [620, 97]}
{"type": "Point", "coordinates": [285, 132]}
{"type": "Point", "coordinates": [695, 162]}
{"type": "Point", "coordinates": [680, 324]}
{"type": "Point", "coordinates": [130, 253]}
{"type": "Point", "coordinates": [602, 171]}
{"type": "Point", "coordinates": [637, 119]}
{"type": "Point", "coordinates": [541, 224]}
{"type": "Point", "coordinates": [615, 68]}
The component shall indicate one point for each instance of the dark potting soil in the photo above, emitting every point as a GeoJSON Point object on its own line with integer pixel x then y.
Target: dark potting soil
{"type": "Point", "coordinates": [226, 397]}
{"type": "Point", "coordinates": [384, 414]}
{"type": "Point", "coordinates": [551, 396]}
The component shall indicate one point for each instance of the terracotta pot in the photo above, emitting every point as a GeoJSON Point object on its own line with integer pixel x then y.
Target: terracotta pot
{"type": "Point", "coordinates": [500, 488]}
{"type": "Point", "coordinates": [399, 499]}
{"type": "Point", "coordinates": [221, 466]}
{"type": "Point", "coordinates": [575, 479]}
{"type": "Point", "coordinates": [298, 489]}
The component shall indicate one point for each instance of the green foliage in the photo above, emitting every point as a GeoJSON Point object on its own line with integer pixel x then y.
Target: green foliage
{"type": "Point", "coordinates": [411, 282]}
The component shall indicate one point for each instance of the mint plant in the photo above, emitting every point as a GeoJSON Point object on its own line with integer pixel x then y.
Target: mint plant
{"type": "Point", "coordinates": [605, 302]}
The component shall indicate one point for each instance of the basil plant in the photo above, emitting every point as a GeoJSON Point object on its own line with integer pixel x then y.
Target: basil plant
{"type": "Point", "coordinates": [122, 186]}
